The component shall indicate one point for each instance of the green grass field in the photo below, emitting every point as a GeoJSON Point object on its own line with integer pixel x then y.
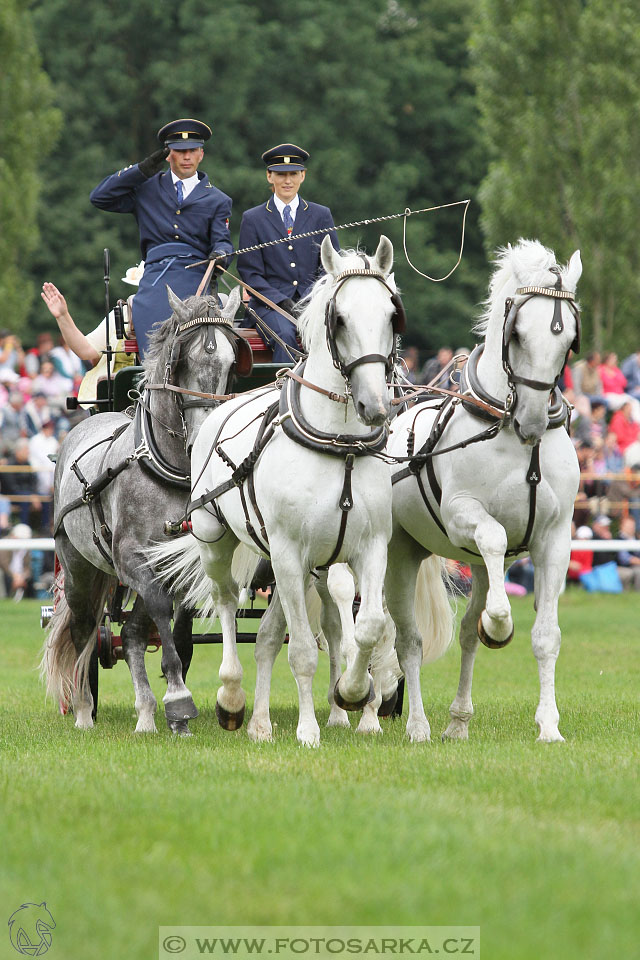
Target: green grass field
{"type": "Point", "coordinates": [536, 844]}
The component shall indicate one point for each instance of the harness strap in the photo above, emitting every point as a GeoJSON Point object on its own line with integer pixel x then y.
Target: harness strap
{"type": "Point", "coordinates": [345, 503]}
{"type": "Point", "coordinates": [93, 490]}
{"type": "Point", "coordinates": [425, 456]}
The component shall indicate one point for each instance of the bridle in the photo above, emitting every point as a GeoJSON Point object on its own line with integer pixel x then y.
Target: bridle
{"type": "Point", "coordinates": [511, 309]}
{"type": "Point", "coordinates": [398, 323]}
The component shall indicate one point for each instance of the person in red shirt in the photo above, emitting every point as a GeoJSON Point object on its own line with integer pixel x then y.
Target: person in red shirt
{"type": "Point", "coordinates": [580, 561]}
{"type": "Point", "coordinates": [624, 427]}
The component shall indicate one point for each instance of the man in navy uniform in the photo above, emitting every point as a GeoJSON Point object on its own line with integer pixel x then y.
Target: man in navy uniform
{"type": "Point", "coordinates": [285, 272]}
{"type": "Point", "coordinates": [181, 216]}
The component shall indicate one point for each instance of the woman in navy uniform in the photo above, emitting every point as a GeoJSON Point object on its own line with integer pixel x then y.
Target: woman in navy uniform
{"type": "Point", "coordinates": [285, 272]}
{"type": "Point", "coordinates": [181, 216]}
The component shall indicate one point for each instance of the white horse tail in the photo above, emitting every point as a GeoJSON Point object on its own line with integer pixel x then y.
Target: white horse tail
{"type": "Point", "coordinates": [177, 565]}
{"type": "Point", "coordinates": [61, 669]}
{"type": "Point", "coordinates": [433, 611]}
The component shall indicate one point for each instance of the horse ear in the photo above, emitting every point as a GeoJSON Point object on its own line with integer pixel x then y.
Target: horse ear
{"type": "Point", "coordinates": [176, 305]}
{"type": "Point", "coordinates": [384, 255]}
{"type": "Point", "coordinates": [574, 271]}
{"type": "Point", "coordinates": [232, 304]}
{"type": "Point", "coordinates": [330, 258]}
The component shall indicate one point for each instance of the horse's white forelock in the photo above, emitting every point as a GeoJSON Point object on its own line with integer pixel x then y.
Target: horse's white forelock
{"type": "Point", "coordinates": [526, 263]}
{"type": "Point", "coordinates": [313, 305]}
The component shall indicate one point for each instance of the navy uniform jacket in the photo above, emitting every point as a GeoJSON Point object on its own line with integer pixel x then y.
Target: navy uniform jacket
{"type": "Point", "coordinates": [287, 270]}
{"type": "Point", "coordinates": [170, 236]}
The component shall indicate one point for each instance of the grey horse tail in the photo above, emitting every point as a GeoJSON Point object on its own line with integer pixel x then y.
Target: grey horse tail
{"type": "Point", "coordinates": [60, 667]}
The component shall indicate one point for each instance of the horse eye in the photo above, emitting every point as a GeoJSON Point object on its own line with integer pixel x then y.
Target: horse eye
{"type": "Point", "coordinates": [339, 320]}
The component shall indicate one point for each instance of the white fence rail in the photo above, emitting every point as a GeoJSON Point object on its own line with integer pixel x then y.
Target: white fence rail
{"type": "Point", "coordinates": [47, 543]}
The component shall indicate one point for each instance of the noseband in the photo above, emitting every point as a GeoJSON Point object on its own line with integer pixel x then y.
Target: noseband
{"type": "Point", "coordinates": [511, 309]}
{"type": "Point", "coordinates": [398, 322]}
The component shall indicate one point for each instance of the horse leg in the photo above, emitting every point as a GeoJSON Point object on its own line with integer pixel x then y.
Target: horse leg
{"type": "Point", "coordinates": [550, 567]}
{"type": "Point", "coordinates": [85, 590]}
{"type": "Point", "coordinates": [269, 639]}
{"type": "Point", "coordinates": [183, 636]}
{"type": "Point", "coordinates": [135, 633]}
{"type": "Point", "coordinates": [385, 671]}
{"type": "Point", "coordinates": [337, 592]}
{"type": "Point", "coordinates": [405, 557]}
{"type": "Point", "coordinates": [471, 522]}
{"type": "Point", "coordinates": [355, 687]}
{"type": "Point", "coordinates": [303, 650]}
{"type": "Point", "coordinates": [461, 710]}
{"type": "Point", "coordinates": [216, 557]}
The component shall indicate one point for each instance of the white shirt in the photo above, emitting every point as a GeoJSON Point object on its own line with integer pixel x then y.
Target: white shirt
{"type": "Point", "coordinates": [280, 206]}
{"type": "Point", "coordinates": [187, 185]}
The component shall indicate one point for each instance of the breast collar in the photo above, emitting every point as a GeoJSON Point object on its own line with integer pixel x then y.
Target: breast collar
{"type": "Point", "coordinates": [298, 429]}
{"type": "Point", "coordinates": [149, 455]}
{"type": "Point", "coordinates": [470, 385]}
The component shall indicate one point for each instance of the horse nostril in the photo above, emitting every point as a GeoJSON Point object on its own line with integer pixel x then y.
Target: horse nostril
{"type": "Point", "coordinates": [189, 449]}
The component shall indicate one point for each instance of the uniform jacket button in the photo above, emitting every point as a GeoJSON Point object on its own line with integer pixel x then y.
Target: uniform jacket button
{"type": "Point", "coordinates": [292, 264]}
{"type": "Point", "coordinates": [295, 283]}
{"type": "Point", "coordinates": [290, 247]}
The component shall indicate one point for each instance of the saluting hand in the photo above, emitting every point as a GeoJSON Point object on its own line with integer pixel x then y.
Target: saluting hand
{"type": "Point", "coordinates": [153, 164]}
{"type": "Point", "coordinates": [54, 300]}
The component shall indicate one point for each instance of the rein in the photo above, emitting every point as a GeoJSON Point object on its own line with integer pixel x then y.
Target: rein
{"type": "Point", "coordinates": [218, 397]}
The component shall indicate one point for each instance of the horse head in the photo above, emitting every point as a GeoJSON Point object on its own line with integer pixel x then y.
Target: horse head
{"type": "Point", "coordinates": [363, 314]}
{"type": "Point", "coordinates": [198, 350]}
{"type": "Point", "coordinates": [532, 324]}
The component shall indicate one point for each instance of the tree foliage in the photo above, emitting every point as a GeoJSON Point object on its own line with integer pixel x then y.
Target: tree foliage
{"type": "Point", "coordinates": [28, 124]}
{"type": "Point", "coordinates": [378, 92]}
{"type": "Point", "coordinates": [559, 95]}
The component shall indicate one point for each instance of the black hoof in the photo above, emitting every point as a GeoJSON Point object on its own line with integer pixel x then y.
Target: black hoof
{"type": "Point", "coordinates": [227, 720]}
{"type": "Point", "coordinates": [387, 706]}
{"type": "Point", "coordinates": [339, 702]}
{"type": "Point", "coordinates": [183, 709]}
{"type": "Point", "coordinates": [489, 641]}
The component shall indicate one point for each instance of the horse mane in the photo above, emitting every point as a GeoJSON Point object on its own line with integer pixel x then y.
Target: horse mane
{"type": "Point", "coordinates": [312, 307]}
{"type": "Point", "coordinates": [161, 335]}
{"type": "Point", "coordinates": [526, 263]}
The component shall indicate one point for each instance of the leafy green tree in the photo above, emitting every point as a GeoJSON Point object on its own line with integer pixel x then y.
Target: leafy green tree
{"type": "Point", "coordinates": [379, 93]}
{"type": "Point", "coordinates": [559, 95]}
{"type": "Point", "coordinates": [29, 126]}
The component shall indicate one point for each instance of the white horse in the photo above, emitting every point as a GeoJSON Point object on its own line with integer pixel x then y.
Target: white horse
{"type": "Point", "coordinates": [287, 473]}
{"type": "Point", "coordinates": [502, 496]}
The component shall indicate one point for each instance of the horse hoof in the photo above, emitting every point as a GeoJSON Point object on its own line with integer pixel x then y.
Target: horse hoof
{"type": "Point", "coordinates": [387, 706]}
{"type": "Point", "coordinates": [489, 641]}
{"type": "Point", "coordinates": [340, 702]}
{"type": "Point", "coordinates": [179, 728]}
{"type": "Point", "coordinates": [182, 709]}
{"type": "Point", "coordinates": [229, 720]}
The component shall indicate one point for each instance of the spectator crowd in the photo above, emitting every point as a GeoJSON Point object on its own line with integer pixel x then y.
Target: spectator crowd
{"type": "Point", "coordinates": [34, 385]}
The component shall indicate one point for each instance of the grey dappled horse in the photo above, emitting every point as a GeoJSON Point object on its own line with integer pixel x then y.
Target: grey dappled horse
{"type": "Point", "coordinates": [117, 480]}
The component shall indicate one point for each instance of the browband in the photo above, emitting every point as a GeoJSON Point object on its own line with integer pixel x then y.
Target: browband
{"type": "Point", "coordinates": [547, 292]}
